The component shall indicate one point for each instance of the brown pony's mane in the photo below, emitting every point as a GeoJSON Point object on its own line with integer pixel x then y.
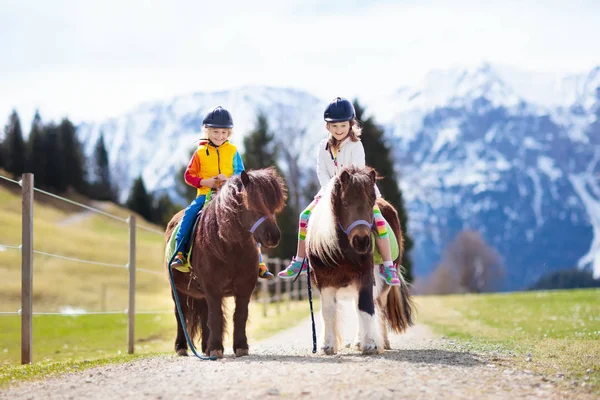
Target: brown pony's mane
{"type": "Point", "coordinates": [322, 236]}
{"type": "Point", "coordinates": [265, 194]}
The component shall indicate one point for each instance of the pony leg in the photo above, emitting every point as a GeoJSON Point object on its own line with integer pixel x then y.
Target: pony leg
{"type": "Point", "coordinates": [371, 340]}
{"type": "Point", "coordinates": [203, 313]}
{"type": "Point", "coordinates": [329, 314]}
{"type": "Point", "coordinates": [215, 324]}
{"type": "Point", "coordinates": [181, 346]}
{"type": "Point", "coordinates": [382, 300]}
{"type": "Point", "coordinates": [380, 294]}
{"type": "Point", "coordinates": [240, 317]}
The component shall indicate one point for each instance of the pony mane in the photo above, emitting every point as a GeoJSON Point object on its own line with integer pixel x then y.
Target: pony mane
{"type": "Point", "coordinates": [266, 194]}
{"type": "Point", "coordinates": [322, 237]}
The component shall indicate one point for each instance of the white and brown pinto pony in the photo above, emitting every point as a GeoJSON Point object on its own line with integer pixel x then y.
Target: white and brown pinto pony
{"type": "Point", "coordinates": [340, 251]}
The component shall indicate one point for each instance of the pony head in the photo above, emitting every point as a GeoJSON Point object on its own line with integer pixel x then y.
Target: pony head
{"type": "Point", "coordinates": [254, 199]}
{"type": "Point", "coordinates": [353, 198]}
{"type": "Point", "coordinates": [346, 209]}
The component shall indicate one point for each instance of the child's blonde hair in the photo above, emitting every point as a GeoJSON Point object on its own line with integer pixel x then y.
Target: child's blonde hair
{"type": "Point", "coordinates": [205, 131]}
{"type": "Point", "coordinates": [354, 134]}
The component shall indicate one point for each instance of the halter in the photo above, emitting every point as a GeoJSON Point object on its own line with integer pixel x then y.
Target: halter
{"type": "Point", "coordinates": [355, 224]}
{"type": "Point", "coordinates": [257, 223]}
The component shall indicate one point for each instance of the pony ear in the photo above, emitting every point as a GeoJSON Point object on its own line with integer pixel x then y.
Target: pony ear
{"type": "Point", "coordinates": [245, 179]}
{"type": "Point", "coordinates": [373, 175]}
{"type": "Point", "coordinates": [344, 177]}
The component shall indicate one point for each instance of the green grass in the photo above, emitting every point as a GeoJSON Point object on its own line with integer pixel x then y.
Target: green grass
{"type": "Point", "coordinates": [61, 283]}
{"type": "Point", "coordinates": [19, 373]}
{"type": "Point", "coordinates": [559, 329]}
{"type": "Point", "coordinates": [62, 342]}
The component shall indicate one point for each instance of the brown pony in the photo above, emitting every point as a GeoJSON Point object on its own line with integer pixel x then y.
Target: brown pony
{"type": "Point", "coordinates": [340, 251]}
{"type": "Point", "coordinates": [224, 260]}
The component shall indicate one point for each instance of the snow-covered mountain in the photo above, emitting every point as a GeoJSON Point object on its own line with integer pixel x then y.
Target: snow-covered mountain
{"type": "Point", "coordinates": [509, 153]}
{"type": "Point", "coordinates": [478, 153]}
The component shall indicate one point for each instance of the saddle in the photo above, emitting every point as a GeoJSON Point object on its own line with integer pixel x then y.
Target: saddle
{"type": "Point", "coordinates": [170, 249]}
{"type": "Point", "coordinates": [393, 246]}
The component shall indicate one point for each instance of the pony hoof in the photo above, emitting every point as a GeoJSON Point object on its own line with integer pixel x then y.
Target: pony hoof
{"type": "Point", "coordinates": [370, 348]}
{"type": "Point", "coordinates": [386, 345]}
{"type": "Point", "coordinates": [216, 353]}
{"type": "Point", "coordinates": [329, 350]}
{"type": "Point", "coordinates": [241, 352]}
{"type": "Point", "coordinates": [182, 352]}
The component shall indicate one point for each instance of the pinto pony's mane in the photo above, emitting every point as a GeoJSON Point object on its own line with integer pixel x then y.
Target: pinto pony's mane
{"type": "Point", "coordinates": [322, 234]}
{"type": "Point", "coordinates": [265, 194]}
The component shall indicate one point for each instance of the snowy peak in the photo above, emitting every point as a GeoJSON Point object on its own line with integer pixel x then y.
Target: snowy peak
{"type": "Point", "coordinates": [455, 87]}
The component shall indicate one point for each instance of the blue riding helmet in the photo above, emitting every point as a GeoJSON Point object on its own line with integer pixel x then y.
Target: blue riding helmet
{"type": "Point", "coordinates": [339, 110]}
{"type": "Point", "coordinates": [218, 118]}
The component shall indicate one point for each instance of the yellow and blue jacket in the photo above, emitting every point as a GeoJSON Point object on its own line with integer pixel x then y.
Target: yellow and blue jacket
{"type": "Point", "coordinates": [209, 161]}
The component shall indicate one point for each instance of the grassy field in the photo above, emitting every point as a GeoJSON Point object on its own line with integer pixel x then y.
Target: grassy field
{"type": "Point", "coordinates": [59, 283]}
{"type": "Point", "coordinates": [61, 343]}
{"type": "Point", "coordinates": [551, 332]}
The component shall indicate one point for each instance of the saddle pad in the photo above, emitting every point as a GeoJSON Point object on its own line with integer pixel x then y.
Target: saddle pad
{"type": "Point", "coordinates": [170, 248]}
{"type": "Point", "coordinates": [393, 246]}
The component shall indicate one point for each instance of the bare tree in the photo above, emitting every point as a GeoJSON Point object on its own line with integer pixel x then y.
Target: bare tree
{"type": "Point", "coordinates": [469, 265]}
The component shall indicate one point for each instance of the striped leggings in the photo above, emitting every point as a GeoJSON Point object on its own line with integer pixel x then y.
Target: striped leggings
{"type": "Point", "coordinates": [305, 215]}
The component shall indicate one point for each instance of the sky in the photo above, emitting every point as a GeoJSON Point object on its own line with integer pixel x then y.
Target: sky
{"type": "Point", "coordinates": [93, 59]}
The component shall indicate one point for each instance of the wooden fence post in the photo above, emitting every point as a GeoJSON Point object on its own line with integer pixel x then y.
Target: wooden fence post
{"type": "Point", "coordinates": [27, 268]}
{"type": "Point", "coordinates": [288, 288]}
{"type": "Point", "coordinates": [277, 268]}
{"type": "Point", "coordinates": [303, 287]}
{"type": "Point", "coordinates": [131, 266]}
{"type": "Point", "coordinates": [264, 294]}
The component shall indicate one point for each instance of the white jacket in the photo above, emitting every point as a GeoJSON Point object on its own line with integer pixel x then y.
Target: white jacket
{"type": "Point", "coordinates": [349, 153]}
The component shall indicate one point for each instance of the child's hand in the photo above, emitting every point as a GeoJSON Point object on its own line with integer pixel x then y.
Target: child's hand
{"type": "Point", "coordinates": [222, 177]}
{"type": "Point", "coordinates": [210, 182]}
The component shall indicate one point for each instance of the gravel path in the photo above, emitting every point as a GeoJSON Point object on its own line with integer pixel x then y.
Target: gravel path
{"type": "Point", "coordinates": [420, 366]}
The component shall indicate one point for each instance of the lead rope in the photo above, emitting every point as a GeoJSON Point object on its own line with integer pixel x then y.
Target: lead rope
{"type": "Point", "coordinates": [312, 314]}
{"type": "Point", "coordinates": [180, 313]}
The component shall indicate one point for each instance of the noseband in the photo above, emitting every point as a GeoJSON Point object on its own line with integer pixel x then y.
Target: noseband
{"type": "Point", "coordinates": [355, 224]}
{"type": "Point", "coordinates": [257, 224]}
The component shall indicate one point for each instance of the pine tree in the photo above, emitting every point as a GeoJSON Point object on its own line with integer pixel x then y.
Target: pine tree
{"type": "Point", "coordinates": [163, 210]}
{"type": "Point", "coordinates": [36, 152]}
{"type": "Point", "coordinates": [102, 188]}
{"type": "Point", "coordinates": [2, 157]}
{"type": "Point", "coordinates": [377, 154]}
{"type": "Point", "coordinates": [260, 151]}
{"type": "Point", "coordinates": [183, 190]}
{"type": "Point", "coordinates": [140, 201]}
{"type": "Point", "coordinates": [72, 156]}
{"type": "Point", "coordinates": [15, 152]}
{"type": "Point", "coordinates": [55, 168]}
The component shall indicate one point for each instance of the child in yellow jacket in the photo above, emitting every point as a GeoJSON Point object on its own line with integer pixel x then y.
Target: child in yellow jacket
{"type": "Point", "coordinates": [214, 161]}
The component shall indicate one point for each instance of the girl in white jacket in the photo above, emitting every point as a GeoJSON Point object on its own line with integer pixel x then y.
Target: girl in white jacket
{"type": "Point", "coordinates": [340, 149]}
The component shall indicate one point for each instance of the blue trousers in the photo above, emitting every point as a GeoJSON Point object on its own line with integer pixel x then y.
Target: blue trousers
{"type": "Point", "coordinates": [187, 222]}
